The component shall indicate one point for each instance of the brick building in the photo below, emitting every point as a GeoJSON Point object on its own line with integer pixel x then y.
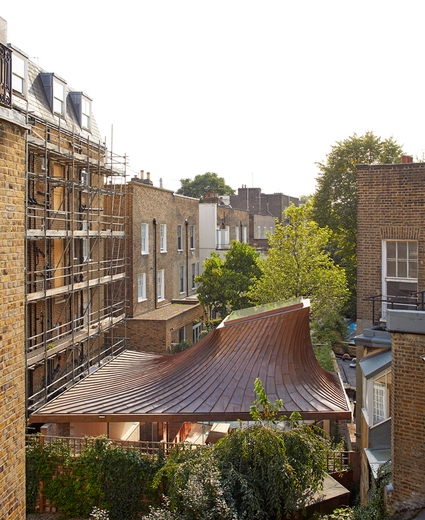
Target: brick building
{"type": "Point", "coordinates": [13, 130]}
{"type": "Point", "coordinates": [258, 203]}
{"type": "Point", "coordinates": [390, 278]}
{"type": "Point", "coordinates": [74, 259]}
{"type": "Point", "coordinates": [163, 260]}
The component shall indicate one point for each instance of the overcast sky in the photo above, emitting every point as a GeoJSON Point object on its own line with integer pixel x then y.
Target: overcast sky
{"type": "Point", "coordinates": [257, 92]}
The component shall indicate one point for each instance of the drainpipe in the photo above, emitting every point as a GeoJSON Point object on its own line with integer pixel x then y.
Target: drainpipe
{"type": "Point", "coordinates": [155, 274]}
{"type": "Point", "coordinates": [186, 223]}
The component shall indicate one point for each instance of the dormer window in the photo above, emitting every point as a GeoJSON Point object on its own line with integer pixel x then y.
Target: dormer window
{"type": "Point", "coordinates": [82, 106]}
{"type": "Point", "coordinates": [19, 74]}
{"type": "Point", "coordinates": [55, 90]}
{"type": "Point", "coordinates": [58, 97]}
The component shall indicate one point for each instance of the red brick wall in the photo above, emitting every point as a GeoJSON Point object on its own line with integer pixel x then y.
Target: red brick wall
{"type": "Point", "coordinates": [408, 418]}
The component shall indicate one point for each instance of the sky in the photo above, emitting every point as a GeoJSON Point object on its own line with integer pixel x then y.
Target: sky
{"type": "Point", "coordinates": [257, 92]}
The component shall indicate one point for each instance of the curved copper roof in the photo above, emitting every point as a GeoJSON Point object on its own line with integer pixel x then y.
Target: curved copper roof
{"type": "Point", "coordinates": [213, 380]}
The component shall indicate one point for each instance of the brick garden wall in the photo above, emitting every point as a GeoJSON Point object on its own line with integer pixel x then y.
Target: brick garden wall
{"type": "Point", "coordinates": [12, 358]}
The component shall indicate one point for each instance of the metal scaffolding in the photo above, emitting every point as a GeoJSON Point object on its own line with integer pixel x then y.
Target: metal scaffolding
{"type": "Point", "coordinates": [75, 258]}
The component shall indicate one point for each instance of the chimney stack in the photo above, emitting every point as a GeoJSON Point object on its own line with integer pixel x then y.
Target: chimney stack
{"type": "Point", "coordinates": [406, 159]}
{"type": "Point", "coordinates": [142, 174]}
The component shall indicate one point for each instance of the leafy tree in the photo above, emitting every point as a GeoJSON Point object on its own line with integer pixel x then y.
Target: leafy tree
{"type": "Point", "coordinates": [225, 283]}
{"type": "Point", "coordinates": [299, 265]}
{"type": "Point", "coordinates": [203, 184]}
{"type": "Point", "coordinates": [335, 200]}
{"type": "Point", "coordinates": [257, 472]}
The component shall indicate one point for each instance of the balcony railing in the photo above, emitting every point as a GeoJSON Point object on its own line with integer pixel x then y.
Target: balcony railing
{"type": "Point", "coordinates": [414, 301]}
{"type": "Point", "coordinates": [5, 76]}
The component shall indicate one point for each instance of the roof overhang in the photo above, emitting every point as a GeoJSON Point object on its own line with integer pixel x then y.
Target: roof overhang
{"type": "Point", "coordinates": [213, 380]}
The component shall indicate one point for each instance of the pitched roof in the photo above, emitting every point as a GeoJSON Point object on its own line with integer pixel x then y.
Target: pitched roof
{"type": "Point", "coordinates": [213, 380]}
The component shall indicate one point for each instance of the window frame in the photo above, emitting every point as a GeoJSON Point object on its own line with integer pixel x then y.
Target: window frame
{"type": "Point", "coordinates": [141, 287]}
{"type": "Point", "coordinates": [179, 237]}
{"type": "Point", "coordinates": [181, 279]}
{"type": "Point", "coordinates": [163, 238]}
{"type": "Point", "coordinates": [144, 238]}
{"type": "Point", "coordinates": [59, 101]}
{"type": "Point", "coordinates": [23, 79]}
{"type": "Point", "coordinates": [160, 284]}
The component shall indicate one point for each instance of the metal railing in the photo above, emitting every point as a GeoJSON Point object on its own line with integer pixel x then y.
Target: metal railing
{"type": "Point", "coordinates": [414, 301]}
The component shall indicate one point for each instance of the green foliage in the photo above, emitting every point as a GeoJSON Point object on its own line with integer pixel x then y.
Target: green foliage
{"type": "Point", "coordinates": [375, 509]}
{"type": "Point", "coordinates": [335, 200]}
{"type": "Point", "coordinates": [342, 513]}
{"type": "Point", "coordinates": [299, 265]}
{"type": "Point", "coordinates": [103, 475]}
{"type": "Point", "coordinates": [224, 284]}
{"type": "Point", "coordinates": [325, 356]}
{"type": "Point", "coordinates": [192, 483]}
{"type": "Point", "coordinates": [203, 184]}
{"type": "Point", "coordinates": [262, 410]}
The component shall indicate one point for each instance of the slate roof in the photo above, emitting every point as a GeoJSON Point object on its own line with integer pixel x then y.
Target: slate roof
{"type": "Point", "coordinates": [213, 380]}
{"type": "Point", "coordinates": [39, 106]}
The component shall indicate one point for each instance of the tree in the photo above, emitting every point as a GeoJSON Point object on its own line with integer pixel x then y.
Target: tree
{"type": "Point", "coordinates": [257, 472]}
{"type": "Point", "coordinates": [203, 184]}
{"type": "Point", "coordinates": [299, 265]}
{"type": "Point", "coordinates": [335, 200]}
{"type": "Point", "coordinates": [225, 283]}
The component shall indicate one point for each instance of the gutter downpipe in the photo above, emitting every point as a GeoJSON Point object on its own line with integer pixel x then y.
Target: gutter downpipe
{"type": "Point", "coordinates": [186, 223]}
{"type": "Point", "coordinates": [155, 274]}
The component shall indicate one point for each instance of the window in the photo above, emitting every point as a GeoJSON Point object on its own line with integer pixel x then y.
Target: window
{"type": "Point", "coordinates": [192, 237]}
{"type": "Point", "coordinates": [58, 97]}
{"type": "Point", "coordinates": [402, 259]}
{"type": "Point", "coordinates": [197, 329]}
{"type": "Point", "coordinates": [163, 238]}
{"type": "Point", "coordinates": [86, 243]}
{"type": "Point", "coordinates": [85, 177]}
{"type": "Point", "coordinates": [85, 112]}
{"type": "Point", "coordinates": [237, 233]}
{"type": "Point", "coordinates": [258, 232]}
{"type": "Point", "coordinates": [265, 232]}
{"type": "Point", "coordinates": [399, 273]}
{"type": "Point", "coordinates": [145, 239]}
{"type": "Point", "coordinates": [141, 287]}
{"type": "Point", "coordinates": [19, 74]}
{"type": "Point", "coordinates": [182, 335]}
{"type": "Point", "coordinates": [179, 238]}
{"type": "Point", "coordinates": [244, 235]}
{"type": "Point", "coordinates": [222, 238]}
{"type": "Point", "coordinates": [160, 285]}
{"type": "Point", "coordinates": [193, 267]}
{"type": "Point", "coordinates": [181, 278]}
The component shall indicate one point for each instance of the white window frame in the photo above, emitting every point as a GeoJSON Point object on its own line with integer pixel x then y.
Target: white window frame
{"type": "Point", "coordinates": [144, 237]}
{"type": "Point", "coordinates": [222, 238]}
{"type": "Point", "coordinates": [163, 238]}
{"type": "Point", "coordinates": [86, 112]}
{"type": "Point", "coordinates": [160, 281]}
{"type": "Point", "coordinates": [59, 97]}
{"type": "Point", "coordinates": [141, 287]}
{"type": "Point", "coordinates": [19, 74]}
{"type": "Point", "coordinates": [376, 397]}
{"type": "Point", "coordinates": [244, 235]}
{"type": "Point", "coordinates": [179, 237]}
{"type": "Point", "coordinates": [412, 258]}
{"type": "Point", "coordinates": [197, 329]}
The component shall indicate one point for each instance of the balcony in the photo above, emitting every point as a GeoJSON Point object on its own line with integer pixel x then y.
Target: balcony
{"type": "Point", "coordinates": [5, 76]}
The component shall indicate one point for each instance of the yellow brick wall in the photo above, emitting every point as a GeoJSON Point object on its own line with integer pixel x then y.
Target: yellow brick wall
{"type": "Point", "coordinates": [12, 359]}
